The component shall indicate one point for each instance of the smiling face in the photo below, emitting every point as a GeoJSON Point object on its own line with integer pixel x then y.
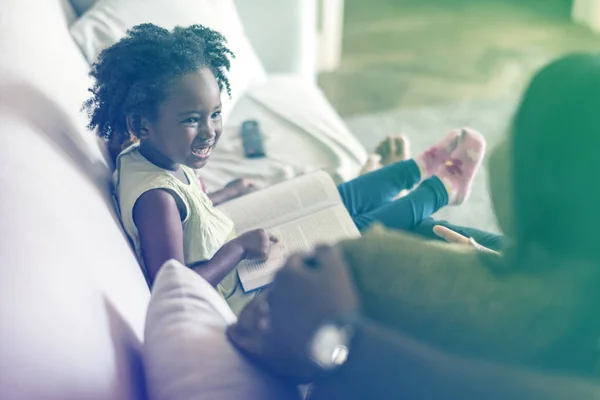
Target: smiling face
{"type": "Point", "coordinates": [188, 123]}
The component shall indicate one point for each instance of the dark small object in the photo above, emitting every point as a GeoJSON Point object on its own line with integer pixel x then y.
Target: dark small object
{"type": "Point", "coordinates": [252, 139]}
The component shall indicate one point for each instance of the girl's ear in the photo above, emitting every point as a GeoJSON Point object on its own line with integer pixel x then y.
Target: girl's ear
{"type": "Point", "coordinates": [137, 126]}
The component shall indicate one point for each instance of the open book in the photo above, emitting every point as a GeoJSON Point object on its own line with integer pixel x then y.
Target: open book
{"type": "Point", "coordinates": [301, 213]}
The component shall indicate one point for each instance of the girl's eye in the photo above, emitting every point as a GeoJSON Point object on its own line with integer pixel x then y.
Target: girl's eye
{"type": "Point", "coordinates": [216, 115]}
{"type": "Point", "coordinates": [191, 120]}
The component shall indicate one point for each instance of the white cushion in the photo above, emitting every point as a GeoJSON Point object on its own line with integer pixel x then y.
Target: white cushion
{"type": "Point", "coordinates": [36, 49]}
{"type": "Point", "coordinates": [301, 133]}
{"type": "Point", "coordinates": [73, 299]}
{"type": "Point", "coordinates": [69, 11]}
{"type": "Point", "coordinates": [108, 20]}
{"type": "Point", "coordinates": [186, 352]}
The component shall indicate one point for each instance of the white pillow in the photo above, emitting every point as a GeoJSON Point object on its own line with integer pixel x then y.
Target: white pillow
{"type": "Point", "coordinates": [108, 21]}
{"type": "Point", "coordinates": [186, 352]}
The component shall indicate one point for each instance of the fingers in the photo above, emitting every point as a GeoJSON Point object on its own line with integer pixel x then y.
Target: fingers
{"type": "Point", "coordinates": [297, 261]}
{"type": "Point", "coordinates": [252, 329]}
{"type": "Point", "coordinates": [380, 149]}
{"type": "Point", "coordinates": [263, 246]}
{"type": "Point", "coordinates": [450, 236]}
{"type": "Point", "coordinates": [310, 266]}
{"type": "Point", "coordinates": [384, 149]}
{"type": "Point", "coordinates": [249, 319]}
{"type": "Point", "coordinates": [484, 249]}
{"type": "Point", "coordinates": [297, 268]}
{"type": "Point", "coordinates": [454, 237]}
{"type": "Point", "coordinates": [291, 274]}
{"type": "Point", "coordinates": [327, 255]}
{"type": "Point", "coordinates": [392, 147]}
{"type": "Point", "coordinates": [263, 322]}
{"type": "Point", "coordinates": [473, 243]}
{"type": "Point", "coordinates": [322, 256]}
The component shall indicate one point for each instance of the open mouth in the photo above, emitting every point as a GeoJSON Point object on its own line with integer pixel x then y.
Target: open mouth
{"type": "Point", "coordinates": [203, 150]}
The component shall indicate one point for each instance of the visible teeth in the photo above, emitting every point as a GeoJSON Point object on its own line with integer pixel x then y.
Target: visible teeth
{"type": "Point", "coordinates": [202, 152]}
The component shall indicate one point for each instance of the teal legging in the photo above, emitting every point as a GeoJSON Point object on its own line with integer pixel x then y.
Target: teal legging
{"type": "Point", "coordinates": [370, 197]}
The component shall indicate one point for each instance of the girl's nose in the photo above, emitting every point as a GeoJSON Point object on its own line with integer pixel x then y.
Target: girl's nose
{"type": "Point", "coordinates": [207, 132]}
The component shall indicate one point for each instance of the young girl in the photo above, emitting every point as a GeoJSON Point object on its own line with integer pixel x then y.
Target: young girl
{"type": "Point", "coordinates": [164, 87]}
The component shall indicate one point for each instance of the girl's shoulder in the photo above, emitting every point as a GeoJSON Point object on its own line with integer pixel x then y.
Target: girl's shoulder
{"type": "Point", "coordinates": [131, 160]}
{"type": "Point", "coordinates": [135, 175]}
{"type": "Point", "coordinates": [132, 166]}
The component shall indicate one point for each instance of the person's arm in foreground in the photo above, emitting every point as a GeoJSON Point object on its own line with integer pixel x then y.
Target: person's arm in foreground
{"type": "Point", "coordinates": [382, 364]}
{"type": "Point", "coordinates": [308, 292]}
{"type": "Point", "coordinates": [158, 221]}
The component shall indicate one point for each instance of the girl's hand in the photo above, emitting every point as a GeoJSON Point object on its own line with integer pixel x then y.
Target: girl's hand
{"type": "Point", "coordinates": [453, 237]}
{"type": "Point", "coordinates": [240, 187]}
{"type": "Point", "coordinates": [233, 189]}
{"type": "Point", "coordinates": [256, 244]}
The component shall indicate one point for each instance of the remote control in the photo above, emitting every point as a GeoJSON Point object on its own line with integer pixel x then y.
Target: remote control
{"type": "Point", "coordinates": [252, 139]}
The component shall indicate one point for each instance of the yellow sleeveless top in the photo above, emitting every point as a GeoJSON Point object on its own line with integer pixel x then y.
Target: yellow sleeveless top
{"type": "Point", "coordinates": [205, 228]}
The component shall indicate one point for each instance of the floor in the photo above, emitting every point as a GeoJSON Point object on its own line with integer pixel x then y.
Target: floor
{"type": "Point", "coordinates": [411, 53]}
{"type": "Point", "coordinates": [422, 67]}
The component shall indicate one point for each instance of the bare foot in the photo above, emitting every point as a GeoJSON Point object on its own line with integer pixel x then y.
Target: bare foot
{"type": "Point", "coordinates": [373, 163]}
{"type": "Point", "coordinates": [393, 149]}
{"type": "Point", "coordinates": [388, 151]}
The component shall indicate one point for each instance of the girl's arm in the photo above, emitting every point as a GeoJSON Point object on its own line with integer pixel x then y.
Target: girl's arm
{"type": "Point", "coordinates": [233, 189]}
{"type": "Point", "coordinates": [222, 195]}
{"type": "Point", "coordinates": [158, 220]}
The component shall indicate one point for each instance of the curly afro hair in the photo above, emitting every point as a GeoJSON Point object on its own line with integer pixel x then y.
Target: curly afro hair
{"type": "Point", "coordinates": [133, 75]}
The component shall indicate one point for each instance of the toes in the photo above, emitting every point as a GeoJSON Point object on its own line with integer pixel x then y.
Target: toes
{"type": "Point", "coordinates": [393, 148]}
{"type": "Point", "coordinates": [401, 148]}
{"type": "Point", "coordinates": [387, 145]}
{"type": "Point", "coordinates": [373, 163]}
{"type": "Point", "coordinates": [383, 149]}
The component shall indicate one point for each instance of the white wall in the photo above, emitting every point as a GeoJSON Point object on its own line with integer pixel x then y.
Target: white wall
{"type": "Point", "coordinates": [587, 12]}
{"type": "Point", "coordinates": [283, 33]}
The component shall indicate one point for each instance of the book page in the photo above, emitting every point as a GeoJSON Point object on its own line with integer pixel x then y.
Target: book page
{"type": "Point", "coordinates": [327, 226]}
{"type": "Point", "coordinates": [283, 202]}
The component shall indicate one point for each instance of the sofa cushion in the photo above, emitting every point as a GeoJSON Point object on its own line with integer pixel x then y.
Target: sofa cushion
{"type": "Point", "coordinates": [301, 133]}
{"type": "Point", "coordinates": [108, 21]}
{"type": "Point", "coordinates": [36, 48]}
{"type": "Point", "coordinates": [69, 12]}
{"type": "Point", "coordinates": [72, 296]}
{"type": "Point", "coordinates": [187, 354]}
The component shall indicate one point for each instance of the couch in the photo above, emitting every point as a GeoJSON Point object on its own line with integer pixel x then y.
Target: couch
{"type": "Point", "coordinates": [73, 299]}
